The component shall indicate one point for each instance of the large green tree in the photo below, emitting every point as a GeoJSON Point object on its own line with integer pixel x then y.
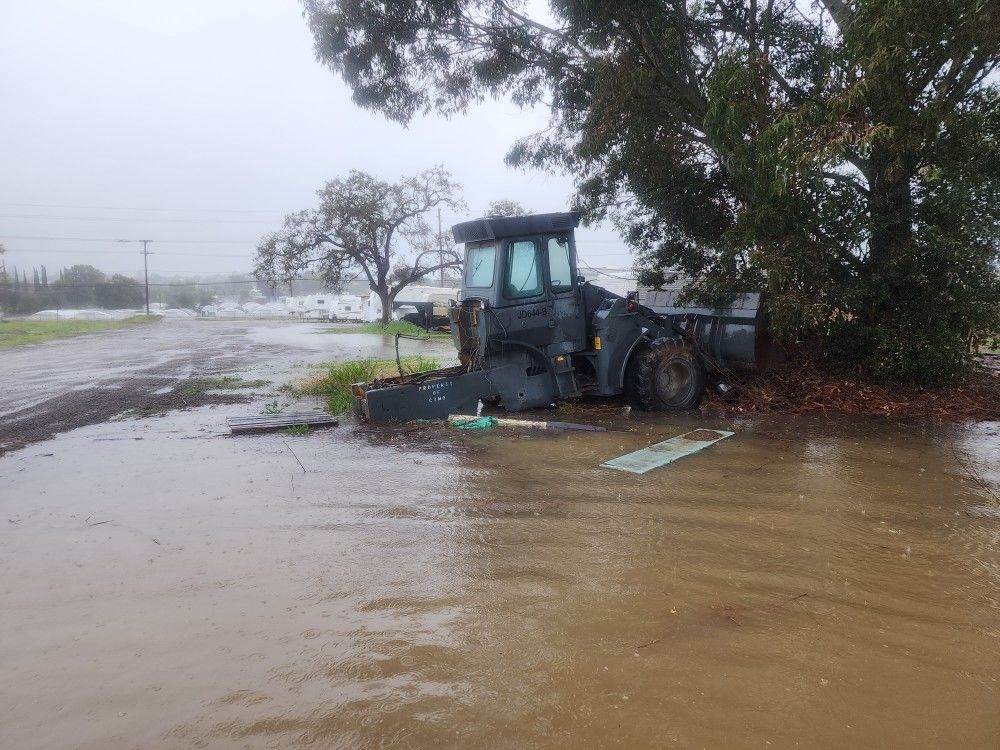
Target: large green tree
{"type": "Point", "coordinates": [80, 285]}
{"type": "Point", "coordinates": [842, 155]}
{"type": "Point", "coordinates": [119, 292]}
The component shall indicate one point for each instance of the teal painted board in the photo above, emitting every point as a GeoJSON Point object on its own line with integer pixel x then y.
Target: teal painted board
{"type": "Point", "coordinates": [660, 454]}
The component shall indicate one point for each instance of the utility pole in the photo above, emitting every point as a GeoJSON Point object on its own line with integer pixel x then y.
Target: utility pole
{"type": "Point", "coordinates": [440, 248]}
{"type": "Point", "coordinates": [145, 266]}
{"type": "Point", "coordinates": [145, 269]}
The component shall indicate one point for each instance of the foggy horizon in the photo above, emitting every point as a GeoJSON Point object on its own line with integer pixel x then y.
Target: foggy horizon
{"type": "Point", "coordinates": [199, 127]}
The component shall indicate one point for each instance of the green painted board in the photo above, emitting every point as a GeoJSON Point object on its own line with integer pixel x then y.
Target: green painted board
{"type": "Point", "coordinates": [660, 454]}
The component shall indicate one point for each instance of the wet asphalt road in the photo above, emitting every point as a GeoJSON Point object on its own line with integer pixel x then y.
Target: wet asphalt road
{"type": "Point", "coordinates": [67, 383]}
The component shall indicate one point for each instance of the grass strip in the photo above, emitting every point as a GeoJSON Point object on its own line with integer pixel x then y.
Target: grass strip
{"type": "Point", "coordinates": [19, 331]}
{"type": "Point", "coordinates": [197, 386]}
{"type": "Point", "coordinates": [390, 329]}
{"type": "Point", "coordinates": [335, 383]}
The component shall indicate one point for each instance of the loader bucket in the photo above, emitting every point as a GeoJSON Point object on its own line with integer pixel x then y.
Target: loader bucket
{"type": "Point", "coordinates": [733, 337]}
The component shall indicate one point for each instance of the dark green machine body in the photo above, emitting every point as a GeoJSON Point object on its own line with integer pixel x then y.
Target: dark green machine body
{"type": "Point", "coordinates": [530, 331]}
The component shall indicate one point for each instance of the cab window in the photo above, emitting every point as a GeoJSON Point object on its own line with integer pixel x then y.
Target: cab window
{"type": "Point", "coordinates": [479, 267]}
{"type": "Point", "coordinates": [524, 274]}
{"type": "Point", "coordinates": [560, 271]}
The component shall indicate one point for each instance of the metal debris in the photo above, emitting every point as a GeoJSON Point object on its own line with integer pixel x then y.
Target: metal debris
{"type": "Point", "coordinates": [660, 454]}
{"type": "Point", "coordinates": [462, 420]}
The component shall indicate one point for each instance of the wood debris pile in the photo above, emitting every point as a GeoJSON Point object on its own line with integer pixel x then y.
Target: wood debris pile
{"type": "Point", "coordinates": [802, 388]}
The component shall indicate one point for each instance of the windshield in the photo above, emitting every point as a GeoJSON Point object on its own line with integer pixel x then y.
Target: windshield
{"type": "Point", "coordinates": [524, 276]}
{"type": "Point", "coordinates": [560, 270]}
{"type": "Point", "coordinates": [479, 266]}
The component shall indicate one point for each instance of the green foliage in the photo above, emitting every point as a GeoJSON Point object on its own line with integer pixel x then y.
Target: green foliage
{"type": "Point", "coordinates": [298, 429]}
{"type": "Point", "coordinates": [221, 383]}
{"type": "Point", "coordinates": [79, 286]}
{"type": "Point", "coordinates": [189, 296]}
{"type": "Point", "coordinates": [840, 156]}
{"type": "Point", "coordinates": [119, 292]}
{"type": "Point", "coordinates": [335, 383]}
{"type": "Point", "coordinates": [273, 407]}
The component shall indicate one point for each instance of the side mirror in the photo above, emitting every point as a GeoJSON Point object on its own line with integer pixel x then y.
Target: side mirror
{"type": "Point", "coordinates": [632, 301]}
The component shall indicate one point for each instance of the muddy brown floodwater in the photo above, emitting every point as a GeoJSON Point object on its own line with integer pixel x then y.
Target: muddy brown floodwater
{"type": "Point", "coordinates": [805, 583]}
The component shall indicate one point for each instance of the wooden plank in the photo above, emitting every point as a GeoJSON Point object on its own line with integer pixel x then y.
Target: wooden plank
{"type": "Point", "coordinates": [279, 417]}
{"type": "Point", "coordinates": [271, 422]}
{"type": "Point", "coordinates": [668, 451]}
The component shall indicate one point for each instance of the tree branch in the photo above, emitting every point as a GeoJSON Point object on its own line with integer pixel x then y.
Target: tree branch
{"type": "Point", "coordinates": [561, 36]}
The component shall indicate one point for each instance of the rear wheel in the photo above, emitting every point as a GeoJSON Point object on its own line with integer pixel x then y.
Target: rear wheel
{"type": "Point", "coordinates": [667, 374]}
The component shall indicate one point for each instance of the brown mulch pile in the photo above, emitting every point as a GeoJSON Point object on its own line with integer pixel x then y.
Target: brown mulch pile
{"type": "Point", "coordinates": [802, 388]}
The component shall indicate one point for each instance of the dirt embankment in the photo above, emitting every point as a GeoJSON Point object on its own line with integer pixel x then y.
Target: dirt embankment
{"type": "Point", "coordinates": [801, 389]}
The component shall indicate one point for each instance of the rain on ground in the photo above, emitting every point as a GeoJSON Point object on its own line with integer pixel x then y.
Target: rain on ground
{"type": "Point", "coordinates": [807, 582]}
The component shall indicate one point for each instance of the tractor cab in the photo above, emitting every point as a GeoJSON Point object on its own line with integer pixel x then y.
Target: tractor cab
{"type": "Point", "coordinates": [520, 284]}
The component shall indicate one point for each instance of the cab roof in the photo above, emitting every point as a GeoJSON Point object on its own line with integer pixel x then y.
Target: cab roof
{"type": "Point", "coordinates": [498, 227]}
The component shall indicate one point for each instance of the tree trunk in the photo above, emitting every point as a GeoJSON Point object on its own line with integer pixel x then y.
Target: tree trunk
{"type": "Point", "coordinates": [386, 300]}
{"type": "Point", "coordinates": [890, 207]}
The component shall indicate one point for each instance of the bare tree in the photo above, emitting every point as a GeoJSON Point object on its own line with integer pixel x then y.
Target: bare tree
{"type": "Point", "coordinates": [366, 226]}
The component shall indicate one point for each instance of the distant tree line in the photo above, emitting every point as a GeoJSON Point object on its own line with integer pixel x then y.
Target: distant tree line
{"type": "Point", "coordinates": [78, 286]}
{"type": "Point", "coordinates": [25, 291]}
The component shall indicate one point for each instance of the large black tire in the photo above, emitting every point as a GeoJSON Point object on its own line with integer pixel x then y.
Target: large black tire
{"type": "Point", "coordinates": [667, 374]}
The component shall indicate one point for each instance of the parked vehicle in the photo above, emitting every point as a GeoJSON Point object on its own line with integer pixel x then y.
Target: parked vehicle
{"type": "Point", "coordinates": [425, 306]}
{"type": "Point", "coordinates": [347, 308]}
{"type": "Point", "coordinates": [530, 331]}
{"type": "Point", "coordinates": [311, 306]}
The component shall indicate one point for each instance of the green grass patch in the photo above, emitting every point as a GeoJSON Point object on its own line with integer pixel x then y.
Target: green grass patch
{"type": "Point", "coordinates": [199, 386]}
{"type": "Point", "coordinates": [390, 329]}
{"type": "Point", "coordinates": [228, 382]}
{"type": "Point", "coordinates": [298, 429]}
{"type": "Point", "coordinates": [335, 383]}
{"type": "Point", "coordinates": [19, 332]}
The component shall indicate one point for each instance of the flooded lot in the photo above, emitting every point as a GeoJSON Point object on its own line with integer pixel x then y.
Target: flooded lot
{"type": "Point", "coordinates": [813, 583]}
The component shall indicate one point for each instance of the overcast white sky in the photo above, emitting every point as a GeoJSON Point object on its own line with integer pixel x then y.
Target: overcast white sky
{"type": "Point", "coordinates": [206, 122]}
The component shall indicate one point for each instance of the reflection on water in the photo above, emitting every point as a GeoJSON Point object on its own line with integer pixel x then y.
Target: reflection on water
{"type": "Point", "coordinates": [804, 582]}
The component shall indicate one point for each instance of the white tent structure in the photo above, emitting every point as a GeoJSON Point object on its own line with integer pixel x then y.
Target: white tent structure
{"type": "Point", "coordinates": [87, 314]}
{"type": "Point", "coordinates": [181, 313]}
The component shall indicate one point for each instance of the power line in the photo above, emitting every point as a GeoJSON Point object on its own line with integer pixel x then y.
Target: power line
{"type": "Point", "coordinates": [136, 208]}
{"type": "Point", "coordinates": [126, 252]}
{"type": "Point", "coordinates": [116, 239]}
{"type": "Point", "coordinates": [55, 286]}
{"type": "Point", "coordinates": [156, 220]}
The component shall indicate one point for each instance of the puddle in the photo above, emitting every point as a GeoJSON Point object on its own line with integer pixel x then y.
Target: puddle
{"type": "Point", "coordinates": [798, 583]}
{"type": "Point", "coordinates": [804, 582]}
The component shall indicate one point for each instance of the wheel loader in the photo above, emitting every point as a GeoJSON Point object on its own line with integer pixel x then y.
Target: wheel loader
{"type": "Point", "coordinates": [530, 331]}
